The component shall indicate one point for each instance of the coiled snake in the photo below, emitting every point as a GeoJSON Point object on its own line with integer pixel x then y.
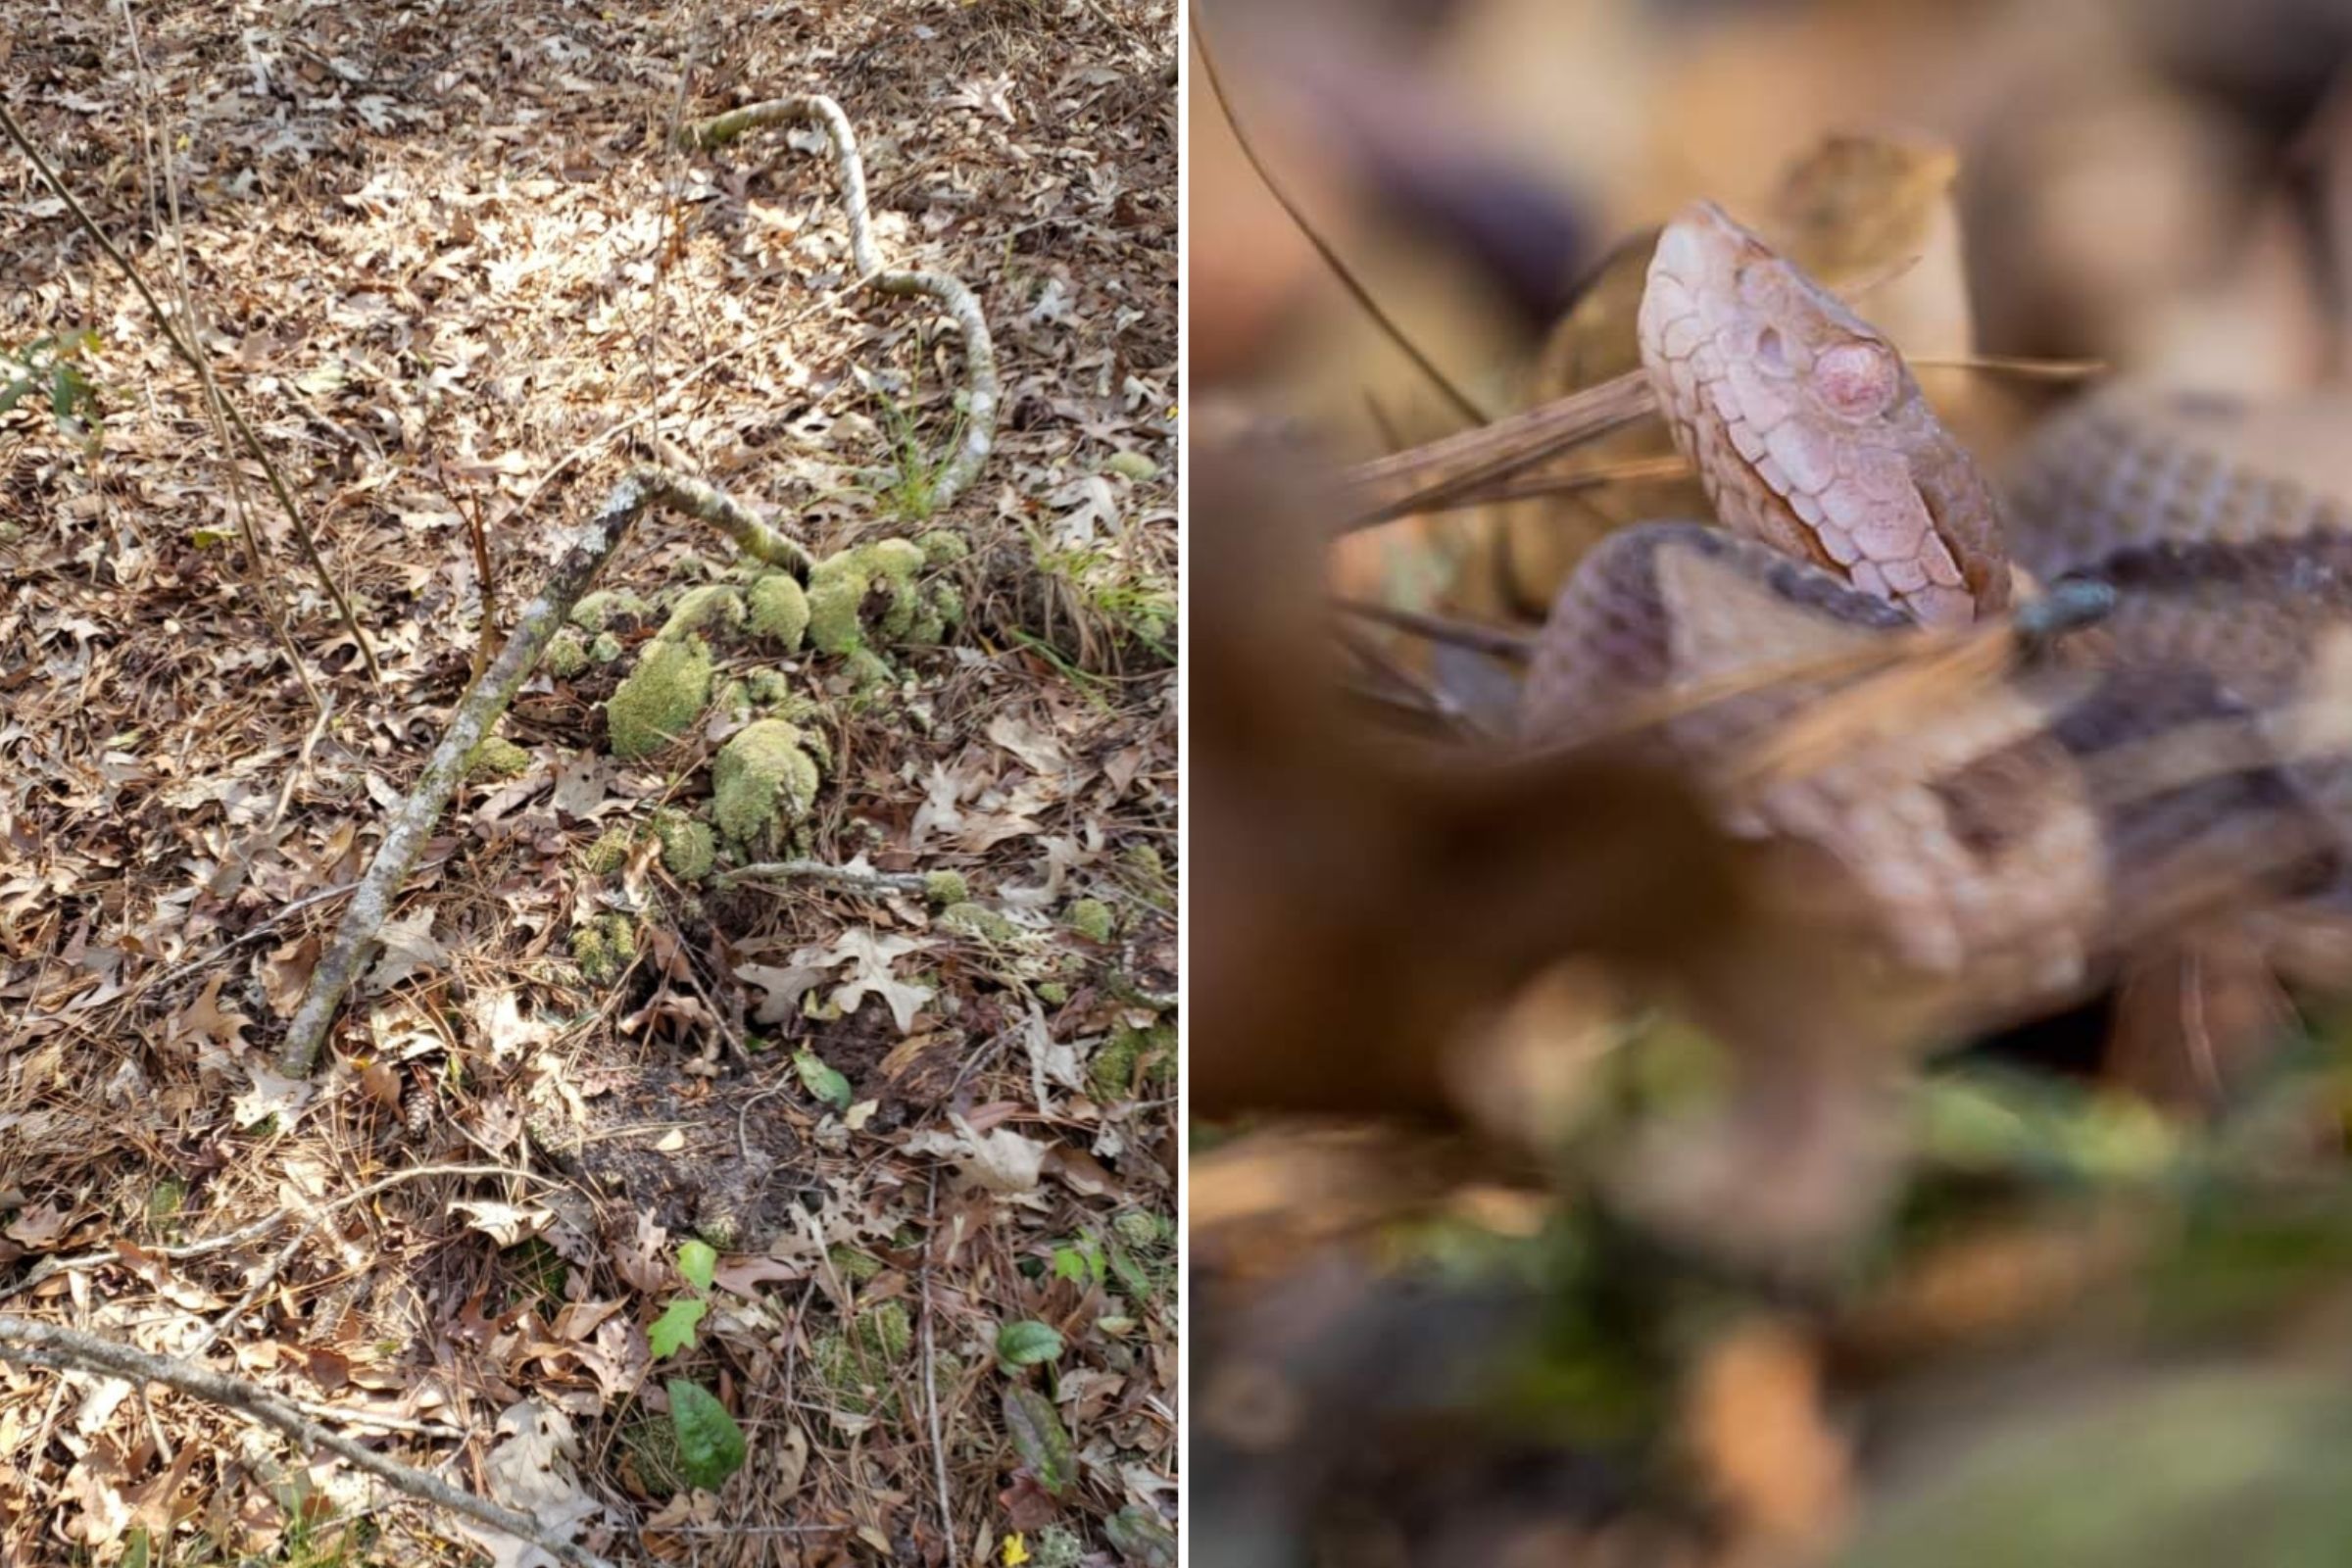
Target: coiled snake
{"type": "Point", "coordinates": [1852, 661]}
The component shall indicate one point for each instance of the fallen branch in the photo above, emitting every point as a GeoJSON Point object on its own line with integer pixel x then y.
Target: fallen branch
{"type": "Point", "coordinates": [37, 1343]}
{"type": "Point", "coordinates": [961, 305]}
{"type": "Point", "coordinates": [479, 711]}
{"type": "Point", "coordinates": [819, 872]}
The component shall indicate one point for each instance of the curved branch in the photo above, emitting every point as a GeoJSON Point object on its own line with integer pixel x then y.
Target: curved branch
{"type": "Point", "coordinates": [39, 1344]}
{"type": "Point", "coordinates": [960, 304]}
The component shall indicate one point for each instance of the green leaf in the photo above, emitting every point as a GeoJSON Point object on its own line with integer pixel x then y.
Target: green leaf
{"type": "Point", "coordinates": [697, 1261]}
{"type": "Point", "coordinates": [710, 1444]}
{"type": "Point", "coordinates": [820, 1080]}
{"type": "Point", "coordinates": [674, 1329]}
{"type": "Point", "coordinates": [1142, 1538]}
{"type": "Point", "coordinates": [1025, 1344]}
{"type": "Point", "coordinates": [1038, 1438]}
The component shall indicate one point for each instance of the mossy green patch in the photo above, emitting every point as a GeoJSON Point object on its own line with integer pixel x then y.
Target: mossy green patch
{"type": "Point", "coordinates": [861, 1367]}
{"type": "Point", "coordinates": [779, 609]}
{"type": "Point", "coordinates": [978, 921]}
{"type": "Point", "coordinates": [496, 758]}
{"type": "Point", "coordinates": [604, 948]}
{"type": "Point", "coordinates": [608, 607]}
{"type": "Point", "coordinates": [662, 696]}
{"type": "Point", "coordinates": [1091, 919]}
{"type": "Point", "coordinates": [1143, 1230]}
{"type": "Point", "coordinates": [855, 1265]}
{"type": "Point", "coordinates": [944, 547]}
{"type": "Point", "coordinates": [606, 854]}
{"type": "Point", "coordinates": [1131, 465]}
{"type": "Point", "coordinates": [870, 591]}
{"type": "Point", "coordinates": [689, 849]}
{"type": "Point", "coordinates": [944, 887]}
{"type": "Point", "coordinates": [716, 608]}
{"type": "Point", "coordinates": [1131, 1058]}
{"type": "Point", "coordinates": [567, 654]}
{"type": "Point", "coordinates": [605, 648]}
{"type": "Point", "coordinates": [763, 784]}
{"type": "Point", "coordinates": [773, 688]}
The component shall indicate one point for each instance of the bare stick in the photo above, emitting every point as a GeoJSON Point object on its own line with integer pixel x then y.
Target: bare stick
{"type": "Point", "coordinates": [39, 1344]}
{"type": "Point", "coordinates": [193, 357]}
{"type": "Point", "coordinates": [961, 305]}
{"type": "Point", "coordinates": [819, 872]}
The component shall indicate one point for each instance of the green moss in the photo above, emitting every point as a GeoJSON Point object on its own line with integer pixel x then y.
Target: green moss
{"type": "Point", "coordinates": [841, 585]}
{"type": "Point", "coordinates": [689, 848]}
{"type": "Point", "coordinates": [870, 672]}
{"type": "Point", "coordinates": [978, 921]}
{"type": "Point", "coordinates": [1057, 1547]}
{"type": "Point", "coordinates": [567, 654]}
{"type": "Point", "coordinates": [779, 609]}
{"type": "Point", "coordinates": [605, 648]}
{"type": "Point", "coordinates": [1053, 991]}
{"type": "Point", "coordinates": [496, 758]}
{"type": "Point", "coordinates": [1143, 1230]}
{"type": "Point", "coordinates": [734, 700]}
{"type": "Point", "coordinates": [944, 887]}
{"type": "Point", "coordinates": [661, 698]}
{"type": "Point", "coordinates": [773, 688]}
{"type": "Point", "coordinates": [944, 547]}
{"type": "Point", "coordinates": [607, 608]}
{"type": "Point", "coordinates": [606, 854]}
{"type": "Point", "coordinates": [652, 1445]}
{"type": "Point", "coordinates": [852, 1265]}
{"type": "Point", "coordinates": [1091, 919]}
{"type": "Point", "coordinates": [1130, 1058]}
{"type": "Point", "coordinates": [716, 608]}
{"type": "Point", "coordinates": [859, 1367]}
{"type": "Point", "coordinates": [763, 784]}
{"type": "Point", "coordinates": [604, 948]}
{"type": "Point", "coordinates": [1131, 465]}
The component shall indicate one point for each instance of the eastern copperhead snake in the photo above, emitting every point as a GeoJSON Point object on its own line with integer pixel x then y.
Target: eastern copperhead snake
{"type": "Point", "coordinates": [2017, 811]}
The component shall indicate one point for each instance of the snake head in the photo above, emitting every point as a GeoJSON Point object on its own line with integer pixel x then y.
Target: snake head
{"type": "Point", "coordinates": [1807, 428]}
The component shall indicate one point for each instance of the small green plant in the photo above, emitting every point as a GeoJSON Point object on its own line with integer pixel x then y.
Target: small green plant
{"type": "Point", "coordinates": [52, 367]}
{"type": "Point", "coordinates": [912, 489]}
{"type": "Point", "coordinates": [710, 1446]}
{"type": "Point", "coordinates": [674, 1330]}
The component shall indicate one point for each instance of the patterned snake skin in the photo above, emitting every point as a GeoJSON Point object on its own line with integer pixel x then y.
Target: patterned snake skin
{"type": "Point", "coordinates": [1852, 664]}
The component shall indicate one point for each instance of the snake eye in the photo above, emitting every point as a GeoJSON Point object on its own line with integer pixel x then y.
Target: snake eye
{"type": "Point", "coordinates": [1858, 379]}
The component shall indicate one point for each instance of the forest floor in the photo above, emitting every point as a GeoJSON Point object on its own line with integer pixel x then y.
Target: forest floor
{"type": "Point", "coordinates": [609, 1156]}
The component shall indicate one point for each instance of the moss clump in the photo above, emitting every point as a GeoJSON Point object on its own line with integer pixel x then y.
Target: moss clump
{"type": "Point", "coordinates": [604, 948]}
{"type": "Point", "coordinates": [1053, 991]}
{"type": "Point", "coordinates": [853, 1266]}
{"type": "Point", "coordinates": [496, 758]}
{"type": "Point", "coordinates": [764, 783]}
{"type": "Point", "coordinates": [661, 698]}
{"type": "Point", "coordinates": [870, 672]}
{"type": "Point", "coordinates": [839, 588]}
{"type": "Point", "coordinates": [567, 654]}
{"type": "Point", "coordinates": [605, 648]}
{"type": "Point", "coordinates": [608, 853]}
{"type": "Point", "coordinates": [1057, 1547]}
{"type": "Point", "coordinates": [689, 849]}
{"type": "Point", "coordinates": [978, 921]}
{"type": "Point", "coordinates": [773, 688]}
{"type": "Point", "coordinates": [715, 608]}
{"type": "Point", "coordinates": [1143, 1230]}
{"type": "Point", "coordinates": [1130, 1058]}
{"type": "Point", "coordinates": [650, 1443]}
{"type": "Point", "coordinates": [859, 1367]}
{"type": "Point", "coordinates": [779, 609]}
{"type": "Point", "coordinates": [1131, 465]}
{"type": "Point", "coordinates": [607, 608]}
{"type": "Point", "coordinates": [944, 887]}
{"type": "Point", "coordinates": [944, 547]}
{"type": "Point", "coordinates": [1090, 918]}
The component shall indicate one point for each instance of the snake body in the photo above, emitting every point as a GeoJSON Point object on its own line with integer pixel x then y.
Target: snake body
{"type": "Point", "coordinates": [2011, 833]}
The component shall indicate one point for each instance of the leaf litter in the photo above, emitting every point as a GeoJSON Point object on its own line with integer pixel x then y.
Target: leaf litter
{"type": "Point", "coordinates": [449, 269]}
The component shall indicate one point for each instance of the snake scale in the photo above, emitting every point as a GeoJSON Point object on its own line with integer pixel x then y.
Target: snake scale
{"type": "Point", "coordinates": [2016, 820]}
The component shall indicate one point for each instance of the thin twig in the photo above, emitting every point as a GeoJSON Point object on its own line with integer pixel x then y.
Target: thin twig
{"type": "Point", "coordinates": [939, 1448]}
{"type": "Point", "coordinates": [960, 304]}
{"type": "Point", "coordinates": [1463, 402]}
{"type": "Point", "coordinates": [1499, 641]}
{"type": "Point", "coordinates": [37, 1343]}
{"type": "Point", "coordinates": [820, 871]}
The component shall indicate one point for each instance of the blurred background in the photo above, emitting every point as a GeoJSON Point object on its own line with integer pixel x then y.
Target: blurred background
{"type": "Point", "coordinates": [2040, 1302]}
